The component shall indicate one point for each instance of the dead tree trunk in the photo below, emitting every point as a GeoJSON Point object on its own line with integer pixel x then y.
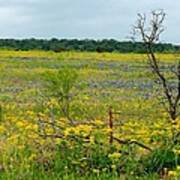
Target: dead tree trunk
{"type": "Point", "coordinates": [150, 36]}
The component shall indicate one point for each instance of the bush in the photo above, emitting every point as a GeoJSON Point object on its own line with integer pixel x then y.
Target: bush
{"type": "Point", "coordinates": [160, 159]}
{"type": "Point", "coordinates": [60, 85]}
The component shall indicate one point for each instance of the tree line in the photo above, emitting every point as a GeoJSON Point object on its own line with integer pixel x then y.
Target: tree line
{"type": "Point", "coordinates": [106, 45]}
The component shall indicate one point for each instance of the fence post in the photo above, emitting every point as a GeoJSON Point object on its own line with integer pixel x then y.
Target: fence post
{"type": "Point", "coordinates": [111, 125]}
{"type": "Point", "coordinates": [1, 113]}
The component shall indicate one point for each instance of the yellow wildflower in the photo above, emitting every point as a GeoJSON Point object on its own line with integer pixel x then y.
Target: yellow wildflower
{"type": "Point", "coordinates": [172, 173]}
{"type": "Point", "coordinates": [107, 130]}
{"type": "Point", "coordinates": [113, 166]}
{"type": "Point", "coordinates": [176, 151]}
{"type": "Point", "coordinates": [91, 140]}
{"type": "Point", "coordinates": [53, 102]}
{"type": "Point", "coordinates": [30, 113]}
{"type": "Point", "coordinates": [32, 157]}
{"type": "Point", "coordinates": [68, 131]}
{"type": "Point", "coordinates": [21, 124]}
{"type": "Point", "coordinates": [96, 171]}
{"type": "Point", "coordinates": [2, 129]}
{"type": "Point", "coordinates": [98, 122]}
{"type": "Point", "coordinates": [115, 155]}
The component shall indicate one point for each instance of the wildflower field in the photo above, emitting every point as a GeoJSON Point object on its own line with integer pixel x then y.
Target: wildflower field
{"type": "Point", "coordinates": [82, 115]}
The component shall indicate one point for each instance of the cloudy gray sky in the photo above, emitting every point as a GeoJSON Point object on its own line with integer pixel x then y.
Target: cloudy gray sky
{"type": "Point", "coordinates": [82, 18]}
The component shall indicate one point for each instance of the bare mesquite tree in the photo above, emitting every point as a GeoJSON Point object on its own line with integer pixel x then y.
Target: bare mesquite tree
{"type": "Point", "coordinates": [150, 33]}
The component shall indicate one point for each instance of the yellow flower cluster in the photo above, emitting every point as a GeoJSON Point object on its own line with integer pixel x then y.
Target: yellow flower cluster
{"type": "Point", "coordinates": [52, 103]}
{"type": "Point", "coordinates": [80, 130]}
{"type": "Point", "coordinates": [2, 129]}
{"type": "Point", "coordinates": [175, 172]}
{"type": "Point", "coordinates": [115, 155]}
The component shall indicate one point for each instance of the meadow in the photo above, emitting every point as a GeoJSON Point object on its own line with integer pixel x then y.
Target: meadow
{"type": "Point", "coordinates": [38, 141]}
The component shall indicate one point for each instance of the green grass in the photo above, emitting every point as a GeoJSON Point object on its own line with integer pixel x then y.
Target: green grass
{"type": "Point", "coordinates": [122, 81]}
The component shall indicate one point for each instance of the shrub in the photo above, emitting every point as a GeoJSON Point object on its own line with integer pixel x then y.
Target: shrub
{"type": "Point", "coordinates": [60, 85]}
{"type": "Point", "coordinates": [160, 159]}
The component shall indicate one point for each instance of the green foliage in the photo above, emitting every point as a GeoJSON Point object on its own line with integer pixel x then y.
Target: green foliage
{"type": "Point", "coordinates": [60, 85]}
{"type": "Point", "coordinates": [159, 159]}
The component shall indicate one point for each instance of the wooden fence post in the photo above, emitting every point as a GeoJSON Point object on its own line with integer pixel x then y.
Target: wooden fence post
{"type": "Point", "coordinates": [111, 125]}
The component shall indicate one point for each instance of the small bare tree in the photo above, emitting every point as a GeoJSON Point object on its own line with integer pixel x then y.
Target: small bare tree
{"type": "Point", "coordinates": [150, 34]}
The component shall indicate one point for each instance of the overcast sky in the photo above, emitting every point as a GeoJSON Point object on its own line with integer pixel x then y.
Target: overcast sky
{"type": "Point", "coordinates": [82, 18]}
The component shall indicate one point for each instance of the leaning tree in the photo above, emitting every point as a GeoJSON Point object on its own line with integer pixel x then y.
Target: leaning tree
{"type": "Point", "coordinates": [149, 31]}
{"type": "Point", "coordinates": [150, 34]}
